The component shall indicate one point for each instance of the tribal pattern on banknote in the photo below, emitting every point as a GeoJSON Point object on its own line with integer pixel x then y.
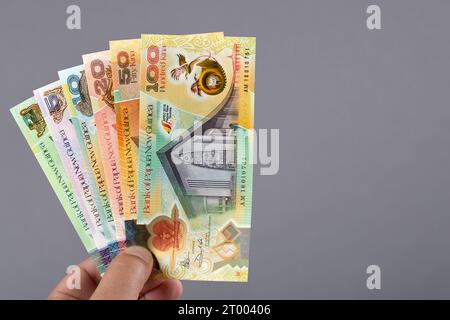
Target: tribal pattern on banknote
{"type": "Point", "coordinates": [74, 84]}
{"type": "Point", "coordinates": [196, 151]}
{"type": "Point", "coordinates": [53, 107]}
{"type": "Point", "coordinates": [34, 128]}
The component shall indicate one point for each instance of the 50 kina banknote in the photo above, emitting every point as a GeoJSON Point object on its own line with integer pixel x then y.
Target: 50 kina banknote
{"type": "Point", "coordinates": [195, 150]}
{"type": "Point", "coordinates": [54, 108]}
{"type": "Point", "coordinates": [73, 81]}
{"type": "Point", "coordinates": [35, 130]}
{"type": "Point", "coordinates": [125, 80]}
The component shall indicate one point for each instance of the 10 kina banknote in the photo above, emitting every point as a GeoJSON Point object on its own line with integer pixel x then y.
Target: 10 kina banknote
{"type": "Point", "coordinates": [196, 113]}
{"type": "Point", "coordinates": [53, 107]}
{"type": "Point", "coordinates": [73, 81]}
{"type": "Point", "coordinates": [35, 130]}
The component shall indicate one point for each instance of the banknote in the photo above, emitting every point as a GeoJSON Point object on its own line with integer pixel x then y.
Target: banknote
{"type": "Point", "coordinates": [195, 153]}
{"type": "Point", "coordinates": [99, 78]}
{"type": "Point", "coordinates": [125, 79]}
{"type": "Point", "coordinates": [73, 81]}
{"type": "Point", "coordinates": [149, 69]}
{"type": "Point", "coordinates": [35, 130]}
{"type": "Point", "coordinates": [53, 106]}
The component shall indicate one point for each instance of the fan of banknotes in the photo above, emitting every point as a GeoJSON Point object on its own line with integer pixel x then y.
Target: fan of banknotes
{"type": "Point", "coordinates": [150, 143]}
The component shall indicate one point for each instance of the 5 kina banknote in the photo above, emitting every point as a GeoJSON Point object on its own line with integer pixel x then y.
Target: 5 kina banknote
{"type": "Point", "coordinates": [196, 116]}
{"type": "Point", "coordinates": [29, 118]}
{"type": "Point", "coordinates": [53, 107]}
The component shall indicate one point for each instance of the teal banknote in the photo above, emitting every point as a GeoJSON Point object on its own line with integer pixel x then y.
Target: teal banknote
{"type": "Point", "coordinates": [73, 81]}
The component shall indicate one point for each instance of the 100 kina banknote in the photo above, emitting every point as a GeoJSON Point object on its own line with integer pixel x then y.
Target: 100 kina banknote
{"type": "Point", "coordinates": [196, 117]}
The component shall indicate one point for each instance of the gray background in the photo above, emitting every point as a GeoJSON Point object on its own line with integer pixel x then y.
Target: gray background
{"type": "Point", "coordinates": [365, 159]}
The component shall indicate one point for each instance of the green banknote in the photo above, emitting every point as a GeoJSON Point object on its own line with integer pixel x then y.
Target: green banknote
{"type": "Point", "coordinates": [195, 153]}
{"type": "Point", "coordinates": [34, 128]}
{"type": "Point", "coordinates": [73, 81]}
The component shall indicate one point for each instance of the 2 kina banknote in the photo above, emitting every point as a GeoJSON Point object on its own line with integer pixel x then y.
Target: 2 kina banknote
{"type": "Point", "coordinates": [153, 141]}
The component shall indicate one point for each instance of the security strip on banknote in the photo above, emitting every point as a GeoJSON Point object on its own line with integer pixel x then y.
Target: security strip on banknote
{"type": "Point", "coordinates": [35, 130]}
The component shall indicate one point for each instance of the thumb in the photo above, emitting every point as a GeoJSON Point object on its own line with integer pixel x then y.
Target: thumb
{"type": "Point", "coordinates": [125, 276]}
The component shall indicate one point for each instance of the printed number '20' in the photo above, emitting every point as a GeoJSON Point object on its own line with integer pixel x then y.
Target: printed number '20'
{"type": "Point", "coordinates": [98, 72]}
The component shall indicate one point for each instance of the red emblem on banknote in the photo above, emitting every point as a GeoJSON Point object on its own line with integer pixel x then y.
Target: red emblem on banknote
{"type": "Point", "coordinates": [167, 233]}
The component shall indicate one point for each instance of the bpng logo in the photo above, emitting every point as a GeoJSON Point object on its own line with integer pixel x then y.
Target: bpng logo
{"type": "Point", "coordinates": [168, 119]}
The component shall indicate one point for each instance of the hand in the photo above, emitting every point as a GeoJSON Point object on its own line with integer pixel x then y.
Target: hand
{"type": "Point", "coordinates": [127, 278]}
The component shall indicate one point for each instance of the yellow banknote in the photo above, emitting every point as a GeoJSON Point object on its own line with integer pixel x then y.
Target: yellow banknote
{"type": "Point", "coordinates": [153, 80]}
{"type": "Point", "coordinates": [125, 79]}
